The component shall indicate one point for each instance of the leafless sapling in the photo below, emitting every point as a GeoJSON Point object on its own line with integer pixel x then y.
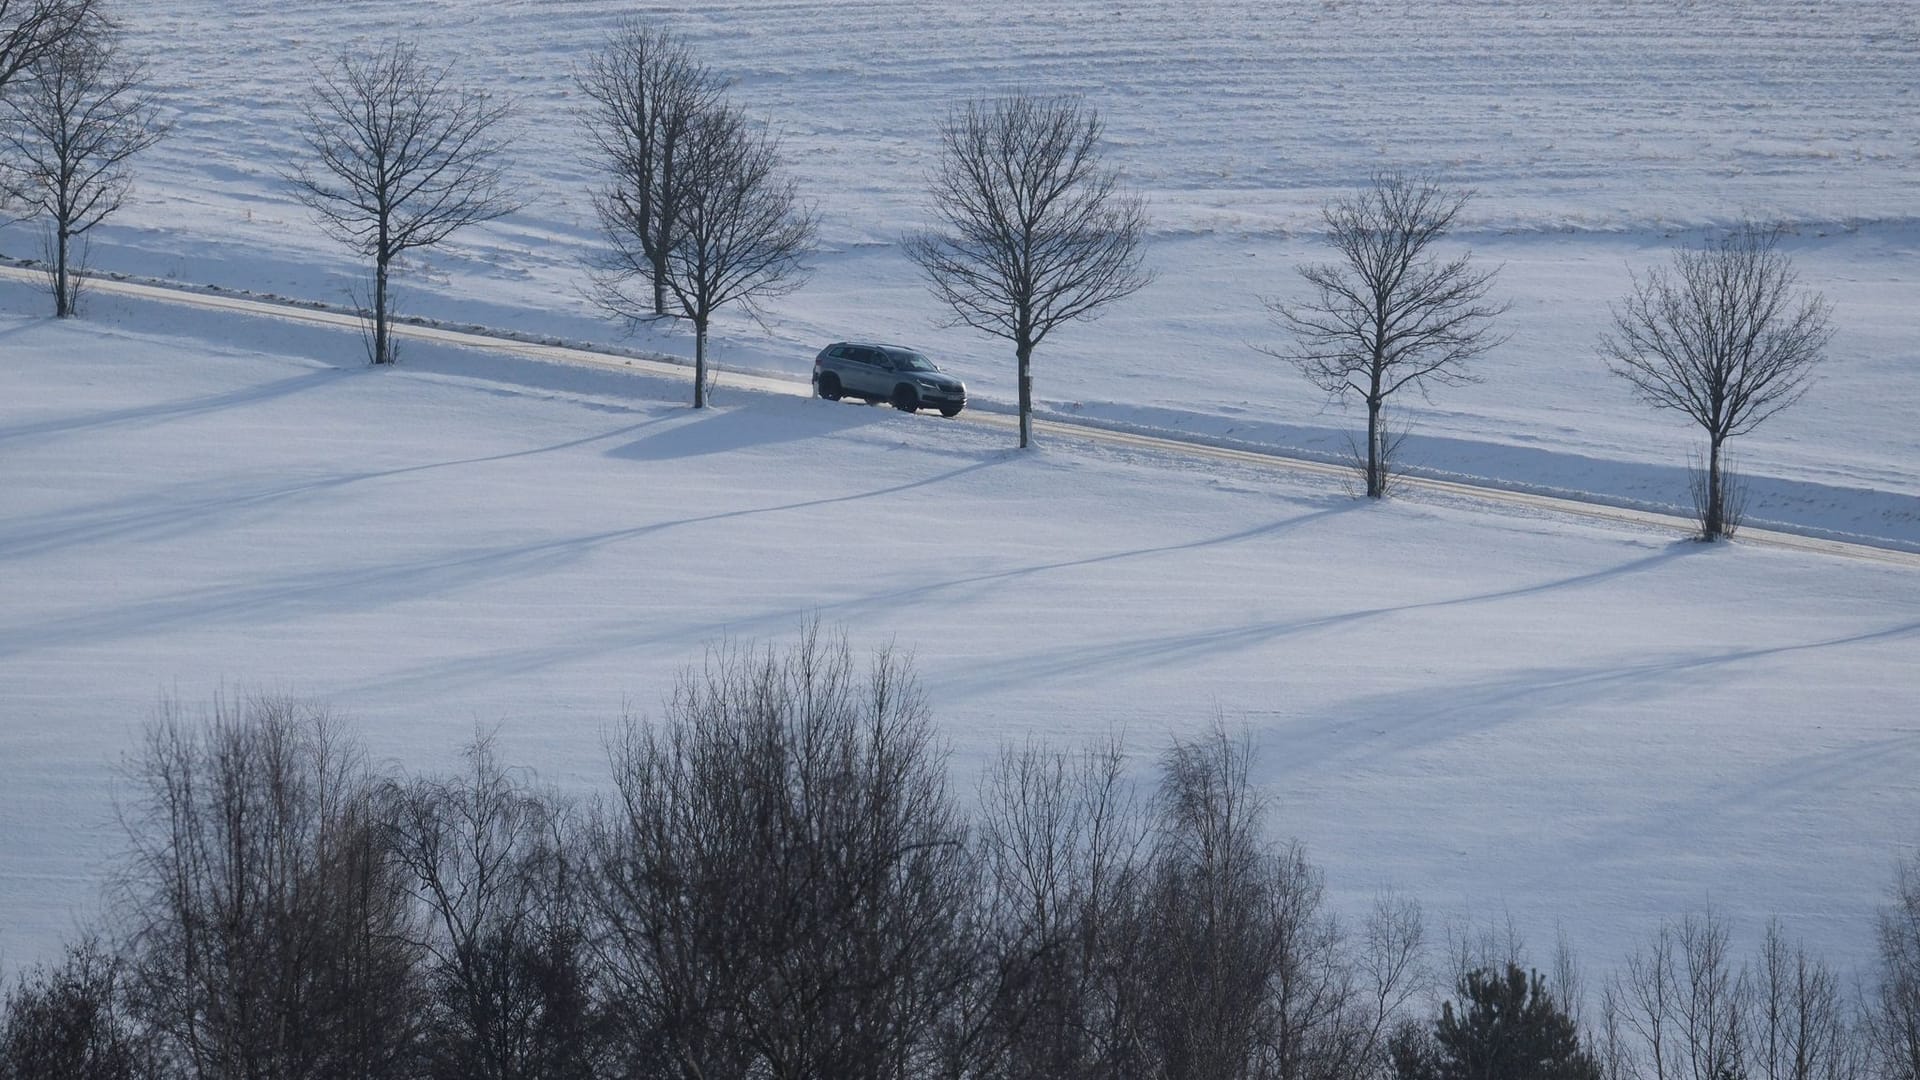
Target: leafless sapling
{"type": "Point", "coordinates": [1392, 968]}
{"type": "Point", "coordinates": [646, 90]}
{"type": "Point", "coordinates": [402, 157]}
{"type": "Point", "coordinates": [1712, 997]}
{"type": "Point", "coordinates": [740, 233]}
{"type": "Point", "coordinates": [71, 127]}
{"type": "Point", "coordinates": [1682, 1001]}
{"type": "Point", "coordinates": [1644, 1000]}
{"type": "Point", "coordinates": [1798, 1017]}
{"type": "Point", "coordinates": [1390, 313]}
{"type": "Point", "coordinates": [1034, 230]}
{"type": "Point", "coordinates": [1726, 337]}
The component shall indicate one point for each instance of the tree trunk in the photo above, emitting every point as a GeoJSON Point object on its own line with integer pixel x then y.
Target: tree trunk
{"type": "Point", "coordinates": [700, 363]}
{"type": "Point", "coordinates": [62, 294]}
{"type": "Point", "coordinates": [382, 343]}
{"type": "Point", "coordinates": [1025, 353]}
{"type": "Point", "coordinates": [1716, 517]}
{"type": "Point", "coordinates": [661, 222]}
{"type": "Point", "coordinates": [1376, 456]}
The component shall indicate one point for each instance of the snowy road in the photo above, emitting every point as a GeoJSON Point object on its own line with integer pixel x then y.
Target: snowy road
{"type": "Point", "coordinates": [1488, 492]}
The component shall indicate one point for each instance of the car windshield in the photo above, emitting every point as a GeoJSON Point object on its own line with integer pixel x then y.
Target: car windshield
{"type": "Point", "coordinates": [909, 361]}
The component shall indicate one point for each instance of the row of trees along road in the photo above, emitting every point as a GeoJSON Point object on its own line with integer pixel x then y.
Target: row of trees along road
{"type": "Point", "coordinates": [1033, 229]}
{"type": "Point", "coordinates": [1727, 337]}
{"type": "Point", "coordinates": [696, 210]}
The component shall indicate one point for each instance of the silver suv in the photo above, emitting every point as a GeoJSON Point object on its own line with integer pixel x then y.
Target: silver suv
{"type": "Point", "coordinates": [886, 373]}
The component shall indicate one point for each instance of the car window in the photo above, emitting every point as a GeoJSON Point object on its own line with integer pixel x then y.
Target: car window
{"type": "Point", "coordinates": [910, 361]}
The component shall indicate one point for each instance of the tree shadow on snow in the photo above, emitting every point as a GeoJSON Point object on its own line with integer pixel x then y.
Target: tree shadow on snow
{"type": "Point", "coordinates": [362, 586]}
{"type": "Point", "coordinates": [174, 410]}
{"type": "Point", "coordinates": [607, 639]}
{"type": "Point", "coordinates": [1411, 721]}
{"type": "Point", "coordinates": [720, 430]}
{"type": "Point", "coordinates": [196, 506]}
{"type": "Point", "coordinates": [1170, 649]}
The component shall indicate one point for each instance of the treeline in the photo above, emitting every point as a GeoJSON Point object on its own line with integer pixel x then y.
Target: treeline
{"type": "Point", "coordinates": [781, 883]}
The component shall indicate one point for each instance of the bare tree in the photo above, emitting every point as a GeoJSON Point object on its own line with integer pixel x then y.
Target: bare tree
{"type": "Point", "coordinates": [1712, 997]}
{"type": "Point", "coordinates": [1390, 313]}
{"type": "Point", "coordinates": [29, 29]}
{"type": "Point", "coordinates": [1645, 999]}
{"type": "Point", "coordinates": [1681, 1005]}
{"type": "Point", "coordinates": [82, 114]}
{"type": "Point", "coordinates": [1062, 844]}
{"type": "Point", "coordinates": [269, 929]}
{"type": "Point", "coordinates": [402, 158]}
{"type": "Point", "coordinates": [489, 867]}
{"type": "Point", "coordinates": [1034, 230]}
{"type": "Point", "coordinates": [1249, 971]}
{"type": "Point", "coordinates": [69, 1021]}
{"type": "Point", "coordinates": [647, 91]}
{"type": "Point", "coordinates": [1391, 964]}
{"type": "Point", "coordinates": [1612, 1046]}
{"type": "Point", "coordinates": [739, 233]}
{"type": "Point", "coordinates": [1893, 1014]}
{"type": "Point", "coordinates": [780, 880]}
{"type": "Point", "coordinates": [1568, 978]}
{"type": "Point", "coordinates": [1798, 1025]}
{"type": "Point", "coordinates": [1726, 337]}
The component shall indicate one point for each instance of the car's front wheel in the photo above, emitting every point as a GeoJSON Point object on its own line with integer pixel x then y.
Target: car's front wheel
{"type": "Point", "coordinates": [830, 386]}
{"type": "Point", "coordinates": [950, 411]}
{"type": "Point", "coordinates": [906, 398]}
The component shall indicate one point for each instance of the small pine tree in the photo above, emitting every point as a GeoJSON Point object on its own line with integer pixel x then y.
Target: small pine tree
{"type": "Point", "coordinates": [1507, 1027]}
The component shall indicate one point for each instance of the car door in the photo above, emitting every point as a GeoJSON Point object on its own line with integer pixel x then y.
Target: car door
{"type": "Point", "coordinates": [865, 367]}
{"type": "Point", "coordinates": [883, 377]}
{"type": "Point", "coordinates": [840, 360]}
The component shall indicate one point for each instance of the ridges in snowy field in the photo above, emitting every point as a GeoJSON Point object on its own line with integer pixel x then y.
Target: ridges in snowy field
{"type": "Point", "coordinates": [1603, 115]}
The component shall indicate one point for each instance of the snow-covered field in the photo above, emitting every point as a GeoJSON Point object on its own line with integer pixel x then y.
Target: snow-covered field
{"type": "Point", "coordinates": [1598, 134]}
{"type": "Point", "coordinates": [1586, 727]}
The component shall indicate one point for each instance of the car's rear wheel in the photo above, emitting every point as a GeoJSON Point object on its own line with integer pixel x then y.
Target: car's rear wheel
{"type": "Point", "coordinates": [830, 386]}
{"type": "Point", "coordinates": [906, 398]}
{"type": "Point", "coordinates": [950, 411]}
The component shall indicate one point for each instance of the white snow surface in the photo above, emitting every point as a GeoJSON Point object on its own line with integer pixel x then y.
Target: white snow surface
{"type": "Point", "coordinates": [1585, 727]}
{"type": "Point", "coordinates": [1598, 135]}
